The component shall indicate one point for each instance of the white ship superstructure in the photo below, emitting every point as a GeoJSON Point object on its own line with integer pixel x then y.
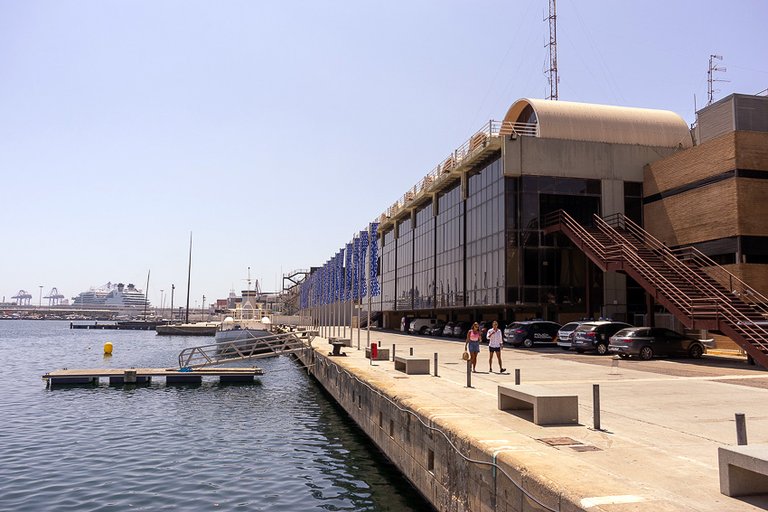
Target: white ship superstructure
{"type": "Point", "coordinates": [112, 295]}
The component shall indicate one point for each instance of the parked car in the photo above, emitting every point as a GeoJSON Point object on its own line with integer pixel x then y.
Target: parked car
{"type": "Point", "coordinates": [530, 332]}
{"type": "Point", "coordinates": [484, 326]}
{"type": "Point", "coordinates": [646, 342]}
{"type": "Point", "coordinates": [448, 329]}
{"type": "Point", "coordinates": [461, 328]}
{"type": "Point", "coordinates": [421, 325]}
{"type": "Point", "coordinates": [594, 336]}
{"type": "Point", "coordinates": [565, 333]}
{"type": "Point", "coordinates": [437, 329]}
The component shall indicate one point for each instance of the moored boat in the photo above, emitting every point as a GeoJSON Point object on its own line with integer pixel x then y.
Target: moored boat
{"type": "Point", "coordinates": [188, 329]}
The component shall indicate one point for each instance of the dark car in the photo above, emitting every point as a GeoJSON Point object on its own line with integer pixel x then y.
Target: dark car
{"type": "Point", "coordinates": [437, 329]}
{"type": "Point", "coordinates": [531, 332]}
{"type": "Point", "coordinates": [448, 329]}
{"type": "Point", "coordinates": [460, 329]}
{"type": "Point", "coordinates": [646, 342]}
{"type": "Point", "coordinates": [594, 336]}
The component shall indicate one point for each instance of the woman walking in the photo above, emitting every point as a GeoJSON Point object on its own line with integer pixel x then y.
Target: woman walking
{"type": "Point", "coordinates": [495, 341]}
{"type": "Point", "coordinates": [473, 344]}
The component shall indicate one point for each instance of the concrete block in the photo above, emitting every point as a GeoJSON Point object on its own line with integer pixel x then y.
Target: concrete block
{"type": "Point", "coordinates": [412, 365]}
{"type": "Point", "coordinates": [743, 469]}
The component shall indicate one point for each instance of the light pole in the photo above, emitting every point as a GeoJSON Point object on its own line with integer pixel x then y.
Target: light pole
{"type": "Point", "coordinates": [41, 296]}
{"type": "Point", "coordinates": [162, 301]}
{"type": "Point", "coordinates": [202, 308]}
{"type": "Point", "coordinates": [173, 288]}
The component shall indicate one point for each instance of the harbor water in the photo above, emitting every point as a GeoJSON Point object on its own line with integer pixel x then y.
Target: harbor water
{"type": "Point", "coordinates": [277, 445]}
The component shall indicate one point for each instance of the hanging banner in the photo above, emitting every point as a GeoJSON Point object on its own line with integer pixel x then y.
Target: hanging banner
{"type": "Point", "coordinates": [374, 259]}
{"type": "Point", "coordinates": [348, 269]}
{"type": "Point", "coordinates": [356, 268]}
{"type": "Point", "coordinates": [363, 259]}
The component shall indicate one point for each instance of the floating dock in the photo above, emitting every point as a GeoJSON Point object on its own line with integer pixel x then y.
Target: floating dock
{"type": "Point", "coordinates": [120, 376]}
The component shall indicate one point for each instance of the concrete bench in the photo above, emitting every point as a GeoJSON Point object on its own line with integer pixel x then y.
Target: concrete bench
{"type": "Point", "coordinates": [383, 354]}
{"type": "Point", "coordinates": [347, 342]}
{"type": "Point", "coordinates": [549, 407]}
{"type": "Point", "coordinates": [743, 469]}
{"type": "Point", "coordinates": [412, 365]}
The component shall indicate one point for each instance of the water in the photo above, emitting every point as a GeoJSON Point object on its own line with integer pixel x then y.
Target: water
{"type": "Point", "coordinates": [278, 445]}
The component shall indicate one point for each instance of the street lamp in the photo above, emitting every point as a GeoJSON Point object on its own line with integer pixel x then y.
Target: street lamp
{"type": "Point", "coordinates": [41, 296]}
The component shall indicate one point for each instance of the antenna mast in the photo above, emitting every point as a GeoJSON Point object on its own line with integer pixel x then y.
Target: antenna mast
{"type": "Point", "coordinates": [711, 78]}
{"type": "Point", "coordinates": [554, 80]}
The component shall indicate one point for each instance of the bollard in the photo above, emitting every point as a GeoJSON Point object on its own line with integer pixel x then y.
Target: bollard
{"type": "Point", "coordinates": [411, 350]}
{"type": "Point", "coordinates": [469, 374]}
{"type": "Point", "coordinates": [741, 429]}
{"type": "Point", "coordinates": [379, 343]}
{"type": "Point", "coordinates": [393, 351]}
{"type": "Point", "coordinates": [436, 364]}
{"type": "Point", "coordinates": [517, 376]}
{"type": "Point", "coordinates": [596, 405]}
{"type": "Point", "coordinates": [615, 365]}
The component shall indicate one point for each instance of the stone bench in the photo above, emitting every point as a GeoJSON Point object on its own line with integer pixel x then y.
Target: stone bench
{"type": "Point", "coordinates": [412, 365]}
{"type": "Point", "coordinates": [549, 407]}
{"type": "Point", "coordinates": [743, 469]}
{"type": "Point", "coordinates": [347, 342]}
{"type": "Point", "coordinates": [383, 354]}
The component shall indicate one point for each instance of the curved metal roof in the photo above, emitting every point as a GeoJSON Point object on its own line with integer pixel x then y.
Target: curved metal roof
{"type": "Point", "coordinates": [601, 123]}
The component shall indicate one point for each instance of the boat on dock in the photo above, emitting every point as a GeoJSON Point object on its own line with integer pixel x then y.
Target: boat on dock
{"type": "Point", "coordinates": [188, 329]}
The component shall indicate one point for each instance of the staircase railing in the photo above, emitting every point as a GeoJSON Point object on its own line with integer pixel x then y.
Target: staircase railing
{"type": "Point", "coordinates": [241, 350]}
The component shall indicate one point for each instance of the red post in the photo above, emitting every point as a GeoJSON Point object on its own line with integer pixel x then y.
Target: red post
{"type": "Point", "coordinates": [374, 351]}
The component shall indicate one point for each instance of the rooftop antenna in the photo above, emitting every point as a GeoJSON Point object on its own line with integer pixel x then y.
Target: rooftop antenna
{"type": "Point", "coordinates": [713, 68]}
{"type": "Point", "coordinates": [554, 80]}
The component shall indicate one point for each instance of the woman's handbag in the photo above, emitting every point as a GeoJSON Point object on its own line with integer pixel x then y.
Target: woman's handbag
{"type": "Point", "coordinates": [465, 356]}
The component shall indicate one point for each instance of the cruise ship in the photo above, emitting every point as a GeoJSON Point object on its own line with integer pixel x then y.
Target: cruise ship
{"type": "Point", "coordinates": [112, 295]}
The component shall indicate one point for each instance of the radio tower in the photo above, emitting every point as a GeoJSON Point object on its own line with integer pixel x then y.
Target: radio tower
{"type": "Point", "coordinates": [711, 78]}
{"type": "Point", "coordinates": [554, 80]}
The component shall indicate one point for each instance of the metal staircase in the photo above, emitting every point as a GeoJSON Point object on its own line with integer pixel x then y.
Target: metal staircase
{"type": "Point", "coordinates": [243, 350]}
{"type": "Point", "coordinates": [699, 292]}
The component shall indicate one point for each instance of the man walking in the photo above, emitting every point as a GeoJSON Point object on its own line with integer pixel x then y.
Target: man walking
{"type": "Point", "coordinates": [495, 341]}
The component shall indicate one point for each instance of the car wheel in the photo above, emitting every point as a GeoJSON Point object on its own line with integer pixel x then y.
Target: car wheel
{"type": "Point", "coordinates": [423, 331]}
{"type": "Point", "coordinates": [528, 343]}
{"type": "Point", "coordinates": [646, 353]}
{"type": "Point", "coordinates": [696, 351]}
{"type": "Point", "coordinates": [602, 349]}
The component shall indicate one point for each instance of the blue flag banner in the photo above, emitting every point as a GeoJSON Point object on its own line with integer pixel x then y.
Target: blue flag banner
{"type": "Point", "coordinates": [356, 268]}
{"type": "Point", "coordinates": [374, 259]}
{"type": "Point", "coordinates": [348, 277]}
{"type": "Point", "coordinates": [363, 258]}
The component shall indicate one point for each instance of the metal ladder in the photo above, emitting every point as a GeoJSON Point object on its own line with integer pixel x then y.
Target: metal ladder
{"type": "Point", "coordinates": [243, 350]}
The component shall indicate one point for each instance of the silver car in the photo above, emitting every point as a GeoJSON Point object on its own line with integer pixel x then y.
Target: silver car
{"type": "Point", "coordinates": [564, 335]}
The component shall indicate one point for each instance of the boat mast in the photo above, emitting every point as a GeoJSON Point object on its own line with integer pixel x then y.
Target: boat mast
{"type": "Point", "coordinates": [146, 295]}
{"type": "Point", "coordinates": [189, 275]}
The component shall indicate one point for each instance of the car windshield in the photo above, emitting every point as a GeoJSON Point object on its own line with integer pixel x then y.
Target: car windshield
{"type": "Point", "coordinates": [569, 327]}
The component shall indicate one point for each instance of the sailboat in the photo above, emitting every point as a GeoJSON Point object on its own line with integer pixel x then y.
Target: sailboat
{"type": "Point", "coordinates": [188, 328]}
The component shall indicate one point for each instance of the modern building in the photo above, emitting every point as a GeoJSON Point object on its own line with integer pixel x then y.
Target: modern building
{"type": "Point", "coordinates": [468, 241]}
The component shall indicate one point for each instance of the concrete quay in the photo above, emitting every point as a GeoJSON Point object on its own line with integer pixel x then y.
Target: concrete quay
{"type": "Point", "coordinates": [662, 423]}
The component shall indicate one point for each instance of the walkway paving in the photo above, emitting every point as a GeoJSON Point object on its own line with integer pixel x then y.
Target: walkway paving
{"type": "Point", "coordinates": [661, 421]}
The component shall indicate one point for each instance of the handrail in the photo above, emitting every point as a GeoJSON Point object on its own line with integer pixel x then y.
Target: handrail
{"type": "Point", "coordinates": [476, 143]}
{"type": "Point", "coordinates": [253, 348]}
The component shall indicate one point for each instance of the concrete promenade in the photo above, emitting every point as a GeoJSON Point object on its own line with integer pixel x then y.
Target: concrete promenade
{"type": "Point", "coordinates": [661, 424]}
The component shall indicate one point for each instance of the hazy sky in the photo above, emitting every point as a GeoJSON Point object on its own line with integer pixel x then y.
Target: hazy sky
{"type": "Point", "coordinates": [276, 130]}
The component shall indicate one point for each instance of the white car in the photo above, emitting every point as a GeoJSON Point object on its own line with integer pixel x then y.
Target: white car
{"type": "Point", "coordinates": [422, 325]}
{"type": "Point", "coordinates": [564, 335]}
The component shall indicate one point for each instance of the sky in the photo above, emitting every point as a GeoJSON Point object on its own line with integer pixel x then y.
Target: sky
{"type": "Point", "coordinates": [274, 131]}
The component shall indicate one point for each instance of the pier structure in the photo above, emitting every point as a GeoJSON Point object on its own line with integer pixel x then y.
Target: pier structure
{"type": "Point", "coordinates": [144, 376]}
{"type": "Point", "coordinates": [649, 444]}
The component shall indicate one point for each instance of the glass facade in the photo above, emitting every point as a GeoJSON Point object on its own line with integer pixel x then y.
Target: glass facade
{"type": "Point", "coordinates": [424, 259]}
{"type": "Point", "coordinates": [485, 237]}
{"type": "Point", "coordinates": [404, 264]}
{"type": "Point", "coordinates": [548, 270]}
{"type": "Point", "coordinates": [449, 249]}
{"type": "Point", "coordinates": [388, 254]}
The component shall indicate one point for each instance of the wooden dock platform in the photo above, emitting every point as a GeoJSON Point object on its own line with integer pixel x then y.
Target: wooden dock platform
{"type": "Point", "coordinates": [120, 376]}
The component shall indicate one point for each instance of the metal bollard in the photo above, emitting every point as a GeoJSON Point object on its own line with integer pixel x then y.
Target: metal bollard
{"type": "Point", "coordinates": [596, 405]}
{"type": "Point", "coordinates": [393, 351]}
{"type": "Point", "coordinates": [411, 350]}
{"type": "Point", "coordinates": [517, 376]}
{"type": "Point", "coordinates": [436, 364]}
{"type": "Point", "coordinates": [741, 429]}
{"type": "Point", "coordinates": [469, 374]}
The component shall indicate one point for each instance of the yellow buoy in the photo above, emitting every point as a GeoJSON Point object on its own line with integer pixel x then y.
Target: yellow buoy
{"type": "Point", "coordinates": [108, 348]}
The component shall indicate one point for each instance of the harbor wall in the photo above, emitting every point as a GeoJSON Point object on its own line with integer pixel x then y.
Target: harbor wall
{"type": "Point", "coordinates": [437, 454]}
